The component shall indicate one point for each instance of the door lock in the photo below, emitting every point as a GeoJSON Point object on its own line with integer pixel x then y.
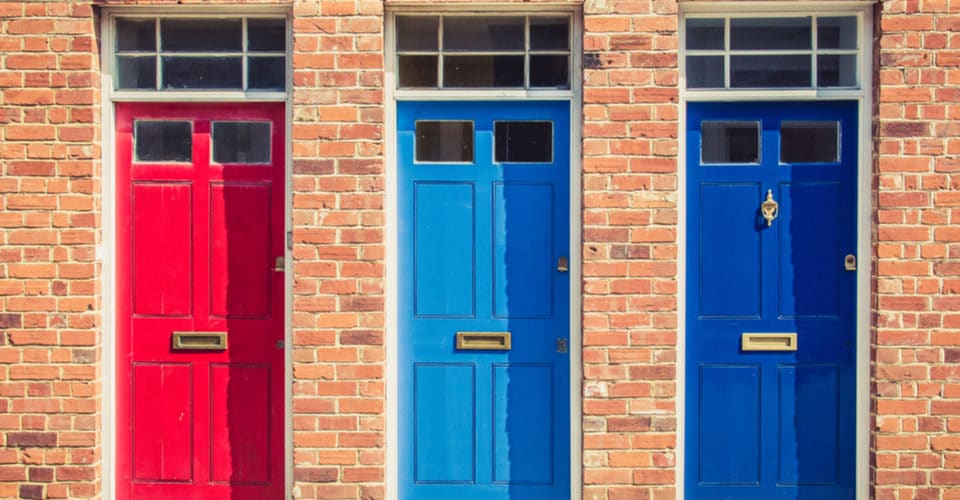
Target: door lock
{"type": "Point", "coordinates": [279, 265]}
{"type": "Point", "coordinates": [850, 262]}
{"type": "Point", "coordinates": [561, 345]}
{"type": "Point", "coordinates": [563, 265]}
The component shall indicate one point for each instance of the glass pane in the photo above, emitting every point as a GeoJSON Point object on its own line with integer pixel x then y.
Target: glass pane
{"type": "Point", "coordinates": [483, 33]}
{"type": "Point", "coordinates": [704, 34]}
{"type": "Point", "coordinates": [704, 72]}
{"type": "Point", "coordinates": [483, 71]}
{"type": "Point", "coordinates": [529, 142]}
{"type": "Point", "coordinates": [837, 32]}
{"type": "Point", "coordinates": [548, 33]}
{"type": "Point", "coordinates": [241, 142]}
{"type": "Point", "coordinates": [136, 72]}
{"type": "Point", "coordinates": [770, 33]}
{"type": "Point", "coordinates": [267, 35]}
{"type": "Point", "coordinates": [447, 141]}
{"type": "Point", "coordinates": [136, 35]}
{"type": "Point", "coordinates": [418, 71]}
{"type": "Point", "coordinates": [837, 71]}
{"type": "Point", "coordinates": [418, 33]}
{"type": "Point", "coordinates": [549, 71]}
{"type": "Point", "coordinates": [729, 142]}
{"type": "Point", "coordinates": [201, 35]}
{"type": "Point", "coordinates": [162, 140]}
{"type": "Point", "coordinates": [266, 73]}
{"type": "Point", "coordinates": [770, 71]}
{"type": "Point", "coordinates": [809, 142]}
{"type": "Point", "coordinates": [202, 73]}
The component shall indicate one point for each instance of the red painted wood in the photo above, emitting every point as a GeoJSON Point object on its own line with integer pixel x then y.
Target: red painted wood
{"type": "Point", "coordinates": [196, 248]}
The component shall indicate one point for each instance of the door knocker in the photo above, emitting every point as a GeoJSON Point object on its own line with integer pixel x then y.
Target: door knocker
{"type": "Point", "coordinates": [769, 209]}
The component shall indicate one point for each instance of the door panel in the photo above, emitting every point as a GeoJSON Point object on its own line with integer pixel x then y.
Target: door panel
{"type": "Point", "coordinates": [779, 423]}
{"type": "Point", "coordinates": [197, 243]}
{"type": "Point", "coordinates": [479, 245]}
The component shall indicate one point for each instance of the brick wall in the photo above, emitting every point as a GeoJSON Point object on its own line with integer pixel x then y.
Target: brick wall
{"type": "Point", "coordinates": [916, 307]}
{"type": "Point", "coordinates": [338, 199]}
{"type": "Point", "coordinates": [629, 222]}
{"type": "Point", "coordinates": [49, 304]}
{"type": "Point", "coordinates": [50, 310]}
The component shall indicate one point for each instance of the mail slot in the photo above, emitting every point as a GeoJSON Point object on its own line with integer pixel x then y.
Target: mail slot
{"type": "Point", "coordinates": [768, 342]}
{"type": "Point", "coordinates": [483, 341]}
{"type": "Point", "coordinates": [203, 341]}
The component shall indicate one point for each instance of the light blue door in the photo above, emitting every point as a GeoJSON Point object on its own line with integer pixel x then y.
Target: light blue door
{"type": "Point", "coordinates": [771, 287]}
{"type": "Point", "coordinates": [483, 194]}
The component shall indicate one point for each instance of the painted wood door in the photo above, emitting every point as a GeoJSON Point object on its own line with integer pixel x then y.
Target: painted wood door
{"type": "Point", "coordinates": [200, 223]}
{"type": "Point", "coordinates": [770, 415]}
{"type": "Point", "coordinates": [484, 300]}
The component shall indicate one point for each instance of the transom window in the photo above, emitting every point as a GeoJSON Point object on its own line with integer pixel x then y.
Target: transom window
{"type": "Point", "coordinates": [200, 54]}
{"type": "Point", "coordinates": [495, 51]}
{"type": "Point", "coordinates": [772, 52]}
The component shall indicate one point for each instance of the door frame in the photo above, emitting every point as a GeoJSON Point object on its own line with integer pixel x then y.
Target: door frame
{"type": "Point", "coordinates": [864, 97]}
{"type": "Point", "coordinates": [391, 208]}
{"type": "Point", "coordinates": [107, 249]}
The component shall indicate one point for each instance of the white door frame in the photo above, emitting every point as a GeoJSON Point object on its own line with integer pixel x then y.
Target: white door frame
{"type": "Point", "coordinates": [864, 97]}
{"type": "Point", "coordinates": [391, 96]}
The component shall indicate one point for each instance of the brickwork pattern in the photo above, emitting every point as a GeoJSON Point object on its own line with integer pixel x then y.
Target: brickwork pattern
{"type": "Point", "coordinates": [630, 128]}
{"type": "Point", "coordinates": [916, 311]}
{"type": "Point", "coordinates": [49, 215]}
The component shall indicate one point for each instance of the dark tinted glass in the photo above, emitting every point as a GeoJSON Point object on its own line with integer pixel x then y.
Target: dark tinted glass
{"type": "Point", "coordinates": [770, 33]}
{"type": "Point", "coordinates": [208, 35]}
{"type": "Point", "coordinates": [418, 71]}
{"type": "Point", "coordinates": [530, 142]}
{"type": "Point", "coordinates": [483, 33]}
{"type": "Point", "coordinates": [136, 72]}
{"type": "Point", "coordinates": [136, 35]}
{"type": "Point", "coordinates": [549, 71]}
{"type": "Point", "coordinates": [483, 71]}
{"type": "Point", "coordinates": [266, 35]}
{"type": "Point", "coordinates": [418, 33]}
{"type": "Point", "coordinates": [704, 34]}
{"type": "Point", "coordinates": [446, 141]}
{"type": "Point", "coordinates": [265, 73]}
{"type": "Point", "coordinates": [202, 72]}
{"type": "Point", "coordinates": [837, 70]}
{"type": "Point", "coordinates": [704, 72]}
{"type": "Point", "coordinates": [809, 142]}
{"type": "Point", "coordinates": [549, 33]}
{"type": "Point", "coordinates": [770, 71]}
{"type": "Point", "coordinates": [837, 32]}
{"type": "Point", "coordinates": [729, 142]}
{"type": "Point", "coordinates": [241, 142]}
{"type": "Point", "coordinates": [162, 141]}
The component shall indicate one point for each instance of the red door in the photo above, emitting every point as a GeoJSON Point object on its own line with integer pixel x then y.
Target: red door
{"type": "Point", "coordinates": [200, 322]}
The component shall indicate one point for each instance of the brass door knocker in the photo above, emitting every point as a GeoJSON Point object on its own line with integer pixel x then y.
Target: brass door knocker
{"type": "Point", "coordinates": [769, 209]}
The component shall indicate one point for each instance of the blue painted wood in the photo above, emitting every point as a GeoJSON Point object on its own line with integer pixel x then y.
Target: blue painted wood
{"type": "Point", "coordinates": [478, 247]}
{"type": "Point", "coordinates": [743, 276]}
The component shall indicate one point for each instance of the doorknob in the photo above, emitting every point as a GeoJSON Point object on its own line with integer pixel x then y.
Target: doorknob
{"type": "Point", "coordinates": [769, 209]}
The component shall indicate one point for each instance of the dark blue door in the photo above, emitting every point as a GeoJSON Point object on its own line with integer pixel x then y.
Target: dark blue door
{"type": "Point", "coordinates": [771, 287]}
{"type": "Point", "coordinates": [483, 193]}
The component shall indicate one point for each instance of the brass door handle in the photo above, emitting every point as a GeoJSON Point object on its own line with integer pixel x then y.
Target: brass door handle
{"type": "Point", "coordinates": [769, 209]}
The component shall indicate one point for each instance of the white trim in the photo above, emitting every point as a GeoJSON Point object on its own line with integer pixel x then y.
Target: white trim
{"type": "Point", "coordinates": [391, 324]}
{"type": "Point", "coordinates": [106, 250]}
{"type": "Point", "coordinates": [864, 96]}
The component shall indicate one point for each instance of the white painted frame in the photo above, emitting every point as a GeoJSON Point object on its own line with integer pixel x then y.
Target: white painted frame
{"type": "Point", "coordinates": [391, 96]}
{"type": "Point", "coordinates": [863, 9]}
{"type": "Point", "coordinates": [106, 249]}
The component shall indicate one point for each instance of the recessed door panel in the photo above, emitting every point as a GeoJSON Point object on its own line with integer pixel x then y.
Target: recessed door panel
{"type": "Point", "coordinates": [162, 248]}
{"type": "Point", "coordinates": [200, 315]}
{"type": "Point", "coordinates": [771, 306]}
{"type": "Point", "coordinates": [484, 300]}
